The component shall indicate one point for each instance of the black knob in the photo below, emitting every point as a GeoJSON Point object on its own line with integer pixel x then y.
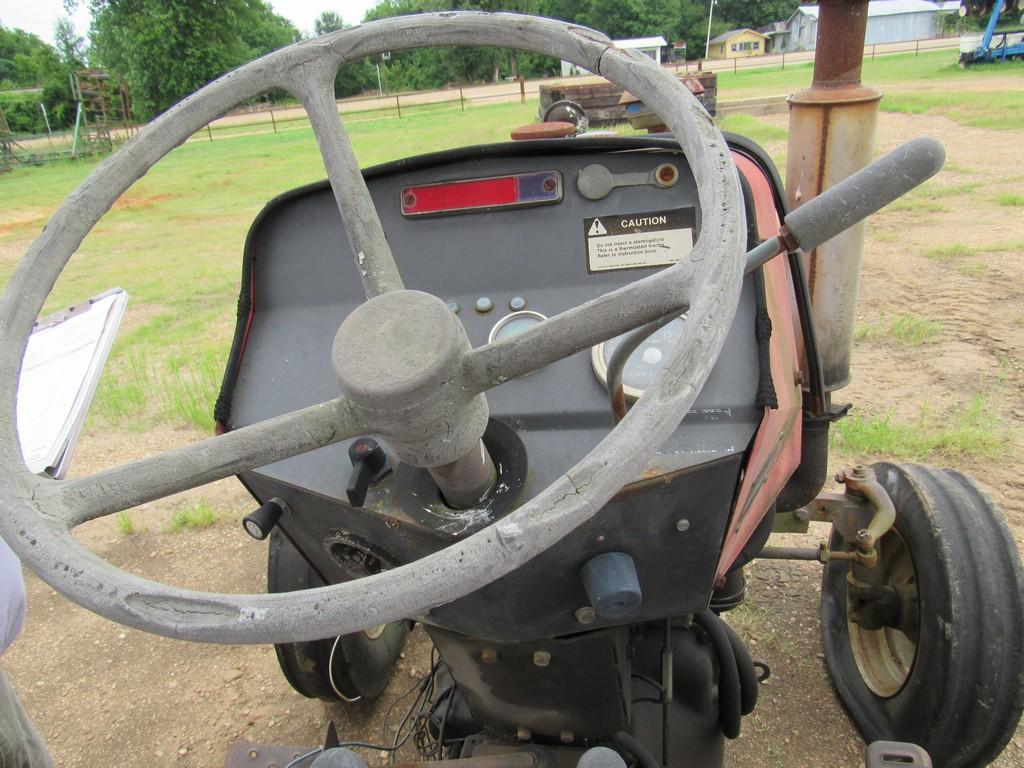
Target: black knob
{"type": "Point", "coordinates": [260, 523]}
{"type": "Point", "coordinates": [369, 464]}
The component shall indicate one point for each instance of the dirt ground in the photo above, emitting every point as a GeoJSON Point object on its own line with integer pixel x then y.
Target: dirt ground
{"type": "Point", "coordinates": [105, 695]}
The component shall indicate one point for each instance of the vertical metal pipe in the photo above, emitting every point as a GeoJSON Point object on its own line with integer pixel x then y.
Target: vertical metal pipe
{"type": "Point", "coordinates": [466, 481]}
{"type": "Point", "coordinates": [832, 129]}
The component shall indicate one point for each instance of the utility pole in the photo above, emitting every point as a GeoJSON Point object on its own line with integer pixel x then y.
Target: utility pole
{"type": "Point", "coordinates": [707, 45]}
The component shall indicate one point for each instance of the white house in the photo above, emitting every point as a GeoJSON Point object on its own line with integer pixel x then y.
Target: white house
{"type": "Point", "coordinates": [889, 21]}
{"type": "Point", "coordinates": [649, 46]}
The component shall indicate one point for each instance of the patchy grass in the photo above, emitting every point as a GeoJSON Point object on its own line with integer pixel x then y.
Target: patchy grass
{"type": "Point", "coordinates": [907, 203]}
{"type": "Point", "coordinates": [970, 432]}
{"type": "Point", "coordinates": [753, 128]}
{"type": "Point", "coordinates": [907, 329]}
{"type": "Point", "coordinates": [948, 253]}
{"type": "Point", "coordinates": [125, 524]}
{"type": "Point", "coordinates": [1011, 201]}
{"type": "Point", "coordinates": [1000, 108]}
{"type": "Point", "coordinates": [175, 242]}
{"type": "Point", "coordinates": [200, 515]}
{"type": "Point", "coordinates": [973, 269]}
{"type": "Point", "coordinates": [888, 71]}
{"type": "Point", "coordinates": [933, 191]}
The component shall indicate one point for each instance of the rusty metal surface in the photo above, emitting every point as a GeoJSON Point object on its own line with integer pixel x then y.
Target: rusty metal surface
{"type": "Point", "coordinates": [556, 129]}
{"type": "Point", "coordinates": [861, 481]}
{"type": "Point", "coordinates": [839, 49]}
{"type": "Point", "coordinates": [775, 454]}
{"type": "Point", "coordinates": [831, 136]}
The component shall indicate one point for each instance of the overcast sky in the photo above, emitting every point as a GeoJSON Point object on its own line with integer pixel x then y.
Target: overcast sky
{"type": "Point", "coordinates": [40, 16]}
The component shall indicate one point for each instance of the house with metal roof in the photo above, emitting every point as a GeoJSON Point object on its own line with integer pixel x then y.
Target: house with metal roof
{"type": "Point", "coordinates": [889, 21]}
{"type": "Point", "coordinates": [648, 46]}
{"type": "Point", "coordinates": [737, 44]}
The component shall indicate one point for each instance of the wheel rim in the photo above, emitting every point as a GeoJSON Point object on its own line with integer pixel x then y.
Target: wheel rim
{"type": "Point", "coordinates": [885, 656]}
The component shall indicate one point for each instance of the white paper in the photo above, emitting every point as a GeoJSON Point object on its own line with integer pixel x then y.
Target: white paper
{"type": "Point", "coordinates": [62, 366]}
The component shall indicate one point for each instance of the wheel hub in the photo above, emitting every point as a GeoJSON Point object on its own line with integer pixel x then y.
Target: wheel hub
{"type": "Point", "coordinates": [399, 357]}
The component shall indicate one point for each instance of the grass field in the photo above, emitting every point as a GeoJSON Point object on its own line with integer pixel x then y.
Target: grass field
{"type": "Point", "coordinates": [174, 241]}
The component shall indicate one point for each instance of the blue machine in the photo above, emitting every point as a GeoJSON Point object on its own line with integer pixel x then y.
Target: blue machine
{"type": "Point", "coordinates": [995, 46]}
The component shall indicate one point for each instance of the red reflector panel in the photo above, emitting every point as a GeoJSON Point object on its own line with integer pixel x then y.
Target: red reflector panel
{"type": "Point", "coordinates": [496, 192]}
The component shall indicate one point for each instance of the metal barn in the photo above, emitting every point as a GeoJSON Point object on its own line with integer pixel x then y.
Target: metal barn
{"type": "Point", "coordinates": [889, 21]}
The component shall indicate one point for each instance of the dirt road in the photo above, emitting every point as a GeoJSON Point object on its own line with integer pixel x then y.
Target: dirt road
{"type": "Point", "coordinates": [105, 695]}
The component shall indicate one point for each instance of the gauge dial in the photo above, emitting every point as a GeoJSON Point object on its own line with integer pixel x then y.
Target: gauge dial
{"type": "Point", "coordinates": [514, 323]}
{"type": "Point", "coordinates": [643, 364]}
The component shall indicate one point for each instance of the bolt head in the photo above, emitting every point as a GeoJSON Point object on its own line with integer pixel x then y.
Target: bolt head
{"type": "Point", "coordinates": [489, 656]}
{"type": "Point", "coordinates": [682, 525]}
{"type": "Point", "coordinates": [586, 615]}
{"type": "Point", "coordinates": [567, 737]}
{"type": "Point", "coordinates": [541, 658]}
{"type": "Point", "coordinates": [523, 734]}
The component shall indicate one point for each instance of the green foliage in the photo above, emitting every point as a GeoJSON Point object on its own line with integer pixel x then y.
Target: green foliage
{"type": "Point", "coordinates": [328, 21]}
{"type": "Point", "coordinates": [970, 432]}
{"type": "Point", "coordinates": [743, 13]}
{"type": "Point", "coordinates": [26, 62]}
{"type": "Point", "coordinates": [908, 329]}
{"type": "Point", "coordinates": [166, 49]}
{"type": "Point", "coordinates": [125, 524]}
{"type": "Point", "coordinates": [1011, 201]}
{"type": "Point", "coordinates": [948, 253]}
{"type": "Point", "coordinates": [434, 68]}
{"type": "Point", "coordinates": [199, 515]}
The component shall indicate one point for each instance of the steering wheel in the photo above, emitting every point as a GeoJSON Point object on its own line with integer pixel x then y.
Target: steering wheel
{"type": "Point", "coordinates": [412, 376]}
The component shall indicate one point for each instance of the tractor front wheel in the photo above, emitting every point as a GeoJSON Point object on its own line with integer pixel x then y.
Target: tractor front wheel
{"type": "Point", "coordinates": [349, 667]}
{"type": "Point", "coordinates": [925, 647]}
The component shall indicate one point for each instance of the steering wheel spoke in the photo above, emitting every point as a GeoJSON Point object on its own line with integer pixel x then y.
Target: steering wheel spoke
{"type": "Point", "coordinates": [191, 466]}
{"type": "Point", "coordinates": [579, 328]}
{"type": "Point", "coordinates": [376, 264]}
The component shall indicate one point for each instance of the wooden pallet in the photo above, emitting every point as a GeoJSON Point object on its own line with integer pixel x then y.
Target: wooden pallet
{"type": "Point", "coordinates": [600, 99]}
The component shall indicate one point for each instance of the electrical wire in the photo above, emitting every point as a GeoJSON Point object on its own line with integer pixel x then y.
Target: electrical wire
{"type": "Point", "coordinates": [330, 674]}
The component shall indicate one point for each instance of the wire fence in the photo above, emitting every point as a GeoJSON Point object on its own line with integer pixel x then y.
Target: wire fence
{"type": "Point", "coordinates": [286, 117]}
{"type": "Point", "coordinates": [780, 60]}
{"type": "Point", "coordinates": [36, 148]}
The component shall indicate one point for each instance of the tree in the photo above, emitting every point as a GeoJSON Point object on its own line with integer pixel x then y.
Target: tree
{"type": "Point", "coordinates": [70, 47]}
{"type": "Point", "coordinates": [742, 13]}
{"type": "Point", "coordinates": [166, 49]}
{"type": "Point", "coordinates": [26, 62]}
{"type": "Point", "coordinates": [328, 21]}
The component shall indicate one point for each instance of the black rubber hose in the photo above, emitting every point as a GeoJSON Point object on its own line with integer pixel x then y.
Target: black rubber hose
{"type": "Point", "coordinates": [635, 747]}
{"type": "Point", "coordinates": [729, 696]}
{"type": "Point", "coordinates": [747, 672]}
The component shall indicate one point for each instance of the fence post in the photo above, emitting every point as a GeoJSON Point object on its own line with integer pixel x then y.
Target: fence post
{"type": "Point", "coordinates": [783, 60]}
{"type": "Point", "coordinates": [734, 61]}
{"type": "Point", "coordinates": [209, 132]}
{"type": "Point", "coordinates": [522, 89]}
{"type": "Point", "coordinates": [398, 105]}
{"type": "Point", "coordinates": [273, 122]}
{"type": "Point", "coordinates": [917, 46]}
{"type": "Point", "coordinates": [462, 100]}
{"type": "Point", "coordinates": [872, 51]}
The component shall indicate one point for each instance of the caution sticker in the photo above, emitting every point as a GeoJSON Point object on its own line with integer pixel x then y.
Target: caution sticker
{"type": "Point", "coordinates": [638, 240]}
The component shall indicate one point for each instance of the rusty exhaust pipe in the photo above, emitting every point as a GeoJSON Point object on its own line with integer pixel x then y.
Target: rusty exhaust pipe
{"type": "Point", "coordinates": [832, 129]}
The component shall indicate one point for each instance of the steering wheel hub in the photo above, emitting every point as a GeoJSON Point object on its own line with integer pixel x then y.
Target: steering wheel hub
{"type": "Point", "coordinates": [399, 356]}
